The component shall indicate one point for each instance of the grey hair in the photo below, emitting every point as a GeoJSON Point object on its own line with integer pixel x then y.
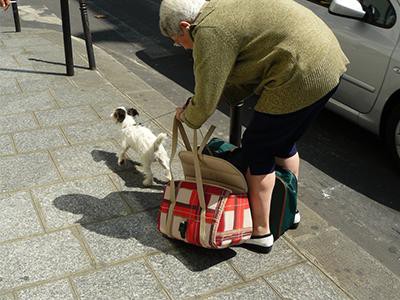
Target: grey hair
{"type": "Point", "coordinates": [172, 12]}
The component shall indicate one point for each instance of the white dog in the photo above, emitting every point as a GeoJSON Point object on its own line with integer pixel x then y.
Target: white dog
{"type": "Point", "coordinates": [142, 141]}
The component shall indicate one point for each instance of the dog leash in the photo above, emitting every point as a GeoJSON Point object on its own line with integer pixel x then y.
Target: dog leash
{"type": "Point", "coordinates": [154, 118]}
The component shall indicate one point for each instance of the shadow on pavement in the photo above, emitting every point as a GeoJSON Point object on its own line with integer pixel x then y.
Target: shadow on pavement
{"type": "Point", "coordinates": [56, 63]}
{"type": "Point", "coordinates": [139, 227]}
{"type": "Point", "coordinates": [110, 159]}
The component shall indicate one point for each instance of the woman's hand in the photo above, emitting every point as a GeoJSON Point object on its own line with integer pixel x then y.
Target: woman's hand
{"type": "Point", "coordinates": [180, 110]}
{"type": "Point", "coordinates": [5, 4]}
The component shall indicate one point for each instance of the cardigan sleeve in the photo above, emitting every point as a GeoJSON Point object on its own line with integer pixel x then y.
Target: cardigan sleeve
{"type": "Point", "coordinates": [214, 55]}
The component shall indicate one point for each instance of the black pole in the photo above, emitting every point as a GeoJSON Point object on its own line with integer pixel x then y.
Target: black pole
{"type": "Point", "coordinates": [69, 60]}
{"type": "Point", "coordinates": [235, 131]}
{"type": "Point", "coordinates": [16, 17]}
{"type": "Point", "coordinates": [88, 35]}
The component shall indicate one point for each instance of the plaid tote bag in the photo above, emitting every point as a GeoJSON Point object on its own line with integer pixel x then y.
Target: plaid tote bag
{"type": "Point", "coordinates": [210, 208]}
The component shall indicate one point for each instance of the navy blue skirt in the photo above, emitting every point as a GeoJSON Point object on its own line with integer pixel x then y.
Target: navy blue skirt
{"type": "Point", "coordinates": [269, 136]}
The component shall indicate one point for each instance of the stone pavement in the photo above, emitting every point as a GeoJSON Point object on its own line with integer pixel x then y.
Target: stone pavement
{"type": "Point", "coordinates": [75, 225]}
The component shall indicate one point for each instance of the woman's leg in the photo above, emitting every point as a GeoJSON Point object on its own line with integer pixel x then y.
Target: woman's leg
{"type": "Point", "coordinates": [292, 163]}
{"type": "Point", "coordinates": [260, 192]}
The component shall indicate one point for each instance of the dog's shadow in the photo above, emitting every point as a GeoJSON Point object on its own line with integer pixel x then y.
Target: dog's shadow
{"type": "Point", "coordinates": [128, 172]}
{"type": "Point", "coordinates": [140, 228]}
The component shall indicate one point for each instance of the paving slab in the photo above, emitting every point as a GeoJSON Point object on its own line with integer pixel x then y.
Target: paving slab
{"type": "Point", "coordinates": [9, 63]}
{"type": "Point", "coordinates": [352, 267]}
{"type": "Point", "coordinates": [25, 73]}
{"type": "Point", "coordinates": [6, 145]}
{"type": "Point", "coordinates": [257, 289]}
{"type": "Point", "coordinates": [40, 258]}
{"type": "Point", "coordinates": [41, 139]}
{"type": "Point", "coordinates": [89, 132]}
{"type": "Point", "coordinates": [89, 160]}
{"type": "Point", "coordinates": [7, 297]}
{"type": "Point", "coordinates": [26, 171]}
{"type": "Point", "coordinates": [90, 95]}
{"type": "Point", "coordinates": [29, 85]}
{"type": "Point", "coordinates": [17, 122]}
{"type": "Point", "coordinates": [89, 79]}
{"type": "Point", "coordinates": [126, 237]}
{"type": "Point", "coordinates": [19, 103]}
{"type": "Point", "coordinates": [251, 264]}
{"type": "Point", "coordinates": [370, 224]}
{"type": "Point", "coordinates": [192, 272]}
{"type": "Point", "coordinates": [304, 281]}
{"type": "Point", "coordinates": [32, 40]}
{"type": "Point", "coordinates": [54, 290]}
{"type": "Point", "coordinates": [152, 102]}
{"type": "Point", "coordinates": [128, 82]}
{"type": "Point", "coordinates": [81, 201]}
{"type": "Point", "coordinates": [129, 281]}
{"type": "Point", "coordinates": [311, 224]}
{"type": "Point", "coordinates": [64, 116]}
{"type": "Point", "coordinates": [13, 209]}
{"type": "Point", "coordinates": [9, 87]}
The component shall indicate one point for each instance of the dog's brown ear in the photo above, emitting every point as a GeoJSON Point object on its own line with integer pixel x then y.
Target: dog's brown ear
{"type": "Point", "coordinates": [132, 112]}
{"type": "Point", "coordinates": [119, 115]}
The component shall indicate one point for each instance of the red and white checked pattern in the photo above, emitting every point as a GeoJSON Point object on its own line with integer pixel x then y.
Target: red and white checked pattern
{"type": "Point", "coordinates": [228, 216]}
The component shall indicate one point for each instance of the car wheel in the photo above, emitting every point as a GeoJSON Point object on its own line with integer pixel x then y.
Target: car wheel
{"type": "Point", "coordinates": [392, 134]}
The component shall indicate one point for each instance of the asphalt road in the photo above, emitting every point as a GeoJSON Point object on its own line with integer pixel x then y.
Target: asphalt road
{"type": "Point", "coordinates": [340, 150]}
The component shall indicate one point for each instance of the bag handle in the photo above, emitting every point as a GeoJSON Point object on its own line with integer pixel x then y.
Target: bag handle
{"type": "Point", "coordinates": [183, 135]}
{"type": "Point", "coordinates": [206, 138]}
{"type": "Point", "coordinates": [177, 126]}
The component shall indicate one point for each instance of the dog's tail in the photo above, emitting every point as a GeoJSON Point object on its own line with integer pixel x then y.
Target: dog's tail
{"type": "Point", "coordinates": [160, 138]}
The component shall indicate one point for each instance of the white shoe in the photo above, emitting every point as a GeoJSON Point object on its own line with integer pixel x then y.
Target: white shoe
{"type": "Point", "coordinates": [296, 221]}
{"type": "Point", "coordinates": [261, 244]}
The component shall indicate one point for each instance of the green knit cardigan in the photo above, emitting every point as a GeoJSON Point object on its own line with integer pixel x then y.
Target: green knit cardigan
{"type": "Point", "coordinates": [277, 49]}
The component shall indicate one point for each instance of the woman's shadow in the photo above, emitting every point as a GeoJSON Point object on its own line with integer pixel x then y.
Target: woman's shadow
{"type": "Point", "coordinates": [102, 217]}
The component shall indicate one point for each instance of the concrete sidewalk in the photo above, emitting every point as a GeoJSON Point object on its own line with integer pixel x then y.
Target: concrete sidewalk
{"type": "Point", "coordinates": [75, 225]}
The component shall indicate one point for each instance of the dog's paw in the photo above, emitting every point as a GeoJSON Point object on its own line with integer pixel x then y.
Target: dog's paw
{"type": "Point", "coordinates": [148, 182]}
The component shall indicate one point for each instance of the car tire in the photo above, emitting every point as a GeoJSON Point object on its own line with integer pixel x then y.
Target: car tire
{"type": "Point", "coordinates": [392, 134]}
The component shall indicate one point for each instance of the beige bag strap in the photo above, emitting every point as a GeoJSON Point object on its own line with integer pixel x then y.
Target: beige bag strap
{"type": "Point", "coordinates": [206, 138]}
{"type": "Point", "coordinates": [200, 191]}
{"type": "Point", "coordinates": [177, 125]}
{"type": "Point", "coordinates": [172, 182]}
{"type": "Point", "coordinates": [183, 135]}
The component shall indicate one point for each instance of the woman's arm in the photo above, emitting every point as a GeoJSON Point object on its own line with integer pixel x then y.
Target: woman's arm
{"type": "Point", "coordinates": [215, 54]}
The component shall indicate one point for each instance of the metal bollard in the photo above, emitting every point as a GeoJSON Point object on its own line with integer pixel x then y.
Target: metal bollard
{"type": "Point", "coordinates": [69, 60]}
{"type": "Point", "coordinates": [88, 36]}
{"type": "Point", "coordinates": [17, 22]}
{"type": "Point", "coordinates": [235, 130]}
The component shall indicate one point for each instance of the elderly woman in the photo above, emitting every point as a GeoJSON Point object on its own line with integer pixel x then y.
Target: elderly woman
{"type": "Point", "coordinates": [278, 50]}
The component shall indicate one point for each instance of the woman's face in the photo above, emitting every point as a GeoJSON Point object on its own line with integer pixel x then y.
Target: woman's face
{"type": "Point", "coordinates": [184, 39]}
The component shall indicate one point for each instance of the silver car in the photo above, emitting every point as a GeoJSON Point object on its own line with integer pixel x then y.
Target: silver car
{"type": "Point", "coordinates": [369, 33]}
